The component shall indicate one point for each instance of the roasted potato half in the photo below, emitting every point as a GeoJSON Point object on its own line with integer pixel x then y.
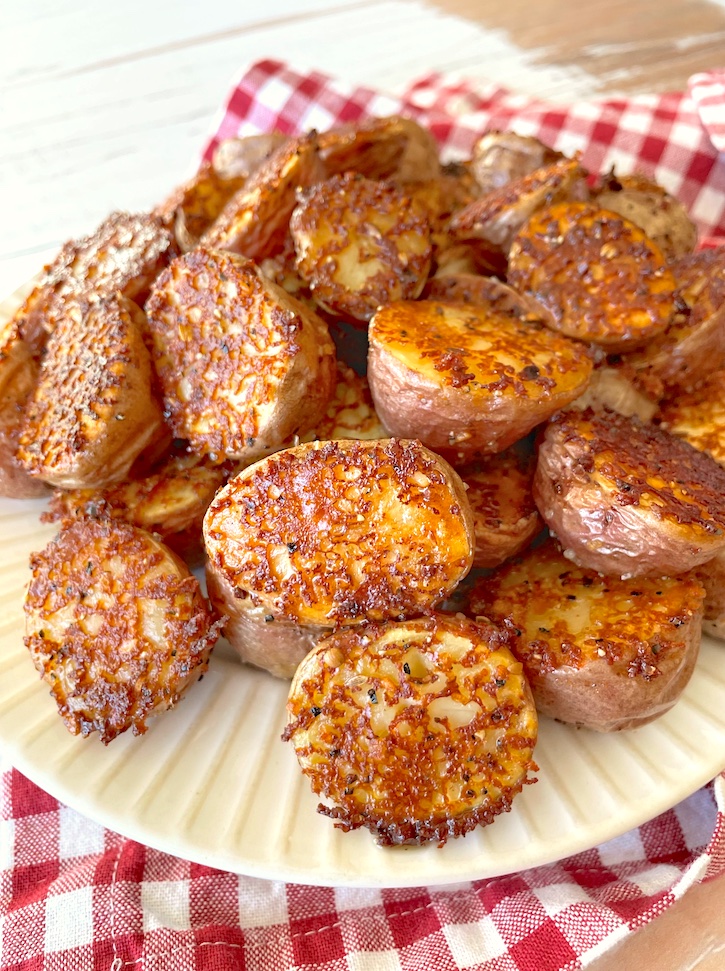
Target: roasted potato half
{"type": "Point", "coordinates": [194, 206]}
{"type": "Point", "coordinates": [238, 158]}
{"type": "Point", "coordinates": [418, 730]}
{"type": "Point", "coordinates": [350, 413]}
{"type": "Point", "coordinates": [505, 517]}
{"type": "Point", "coordinates": [254, 223]}
{"type": "Point", "coordinates": [699, 416]}
{"type": "Point", "coordinates": [616, 389]}
{"type": "Point", "coordinates": [597, 273]}
{"type": "Point", "coordinates": [391, 147]}
{"type": "Point", "coordinates": [360, 243]}
{"type": "Point", "coordinates": [243, 365]}
{"type": "Point", "coordinates": [626, 498]}
{"type": "Point", "coordinates": [18, 377]}
{"type": "Point", "coordinates": [336, 532]}
{"type": "Point", "coordinates": [93, 411]}
{"type": "Point", "coordinates": [116, 625]}
{"type": "Point", "coordinates": [170, 501]}
{"type": "Point", "coordinates": [712, 577]}
{"type": "Point", "coordinates": [125, 254]}
{"type": "Point", "coordinates": [646, 204]}
{"type": "Point", "coordinates": [693, 346]}
{"type": "Point", "coordinates": [599, 652]}
{"type": "Point", "coordinates": [468, 380]}
{"type": "Point", "coordinates": [500, 157]}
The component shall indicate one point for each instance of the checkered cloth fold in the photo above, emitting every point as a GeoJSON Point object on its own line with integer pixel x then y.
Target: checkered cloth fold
{"type": "Point", "coordinates": [77, 897]}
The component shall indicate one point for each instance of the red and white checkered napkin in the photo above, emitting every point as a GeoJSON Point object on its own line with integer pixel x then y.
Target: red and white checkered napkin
{"type": "Point", "coordinates": [77, 897]}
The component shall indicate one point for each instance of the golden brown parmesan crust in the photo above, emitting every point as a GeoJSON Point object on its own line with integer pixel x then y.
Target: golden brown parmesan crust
{"type": "Point", "coordinates": [170, 501]}
{"type": "Point", "coordinates": [505, 517]}
{"type": "Point", "coordinates": [93, 411]}
{"type": "Point", "coordinates": [627, 498]}
{"type": "Point", "coordinates": [254, 222]}
{"type": "Point", "coordinates": [18, 377]}
{"type": "Point", "coordinates": [337, 532]}
{"type": "Point", "coordinates": [419, 731]}
{"type": "Point", "coordinates": [694, 343]}
{"type": "Point", "coordinates": [125, 254]}
{"type": "Point", "coordinates": [350, 413]}
{"type": "Point", "coordinates": [468, 379]}
{"type": "Point", "coordinates": [194, 206]}
{"type": "Point", "coordinates": [116, 625]}
{"type": "Point", "coordinates": [699, 416]}
{"type": "Point", "coordinates": [598, 274]}
{"type": "Point", "coordinates": [360, 243]}
{"type": "Point", "coordinates": [599, 651]}
{"type": "Point", "coordinates": [242, 364]}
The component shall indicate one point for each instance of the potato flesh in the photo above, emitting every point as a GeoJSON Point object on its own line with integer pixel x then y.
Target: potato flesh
{"type": "Point", "coordinates": [600, 651]}
{"type": "Point", "coordinates": [699, 417]}
{"type": "Point", "coordinates": [431, 724]}
{"type": "Point", "coordinates": [116, 625]}
{"type": "Point", "coordinates": [334, 532]}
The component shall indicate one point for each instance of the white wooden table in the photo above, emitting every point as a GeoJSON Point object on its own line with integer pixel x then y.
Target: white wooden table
{"type": "Point", "coordinates": [105, 106]}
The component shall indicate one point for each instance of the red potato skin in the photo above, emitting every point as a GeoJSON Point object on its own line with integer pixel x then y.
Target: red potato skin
{"type": "Point", "coordinates": [274, 644]}
{"type": "Point", "coordinates": [712, 577]}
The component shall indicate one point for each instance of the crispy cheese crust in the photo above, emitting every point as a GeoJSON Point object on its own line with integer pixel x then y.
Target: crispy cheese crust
{"type": "Point", "coordinates": [598, 274]}
{"type": "Point", "coordinates": [18, 377]}
{"type": "Point", "coordinates": [125, 254]}
{"type": "Point", "coordinates": [599, 652]}
{"type": "Point", "coordinates": [468, 379]}
{"type": "Point", "coordinates": [419, 730]}
{"type": "Point", "coordinates": [627, 498]}
{"type": "Point", "coordinates": [336, 532]}
{"type": "Point", "coordinates": [360, 243]}
{"type": "Point", "coordinates": [116, 625]}
{"type": "Point", "coordinates": [93, 410]}
{"type": "Point", "coordinates": [699, 416]}
{"type": "Point", "coordinates": [242, 364]}
{"type": "Point", "coordinates": [254, 222]}
{"type": "Point", "coordinates": [193, 207]}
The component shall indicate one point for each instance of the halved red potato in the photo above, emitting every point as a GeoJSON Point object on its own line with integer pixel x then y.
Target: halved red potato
{"type": "Point", "coordinates": [418, 730]}
{"type": "Point", "coordinates": [125, 254]}
{"type": "Point", "coordinates": [350, 413]}
{"type": "Point", "coordinates": [254, 222]}
{"type": "Point", "coordinates": [484, 291]}
{"type": "Point", "coordinates": [597, 273]}
{"type": "Point", "coordinates": [495, 218]}
{"type": "Point", "coordinates": [646, 204]}
{"type": "Point", "coordinates": [243, 365]}
{"type": "Point", "coordinates": [338, 532]}
{"type": "Point", "coordinates": [18, 377]}
{"type": "Point", "coordinates": [170, 501]}
{"type": "Point", "coordinates": [238, 158]}
{"type": "Point", "coordinates": [194, 206]}
{"type": "Point", "coordinates": [699, 416]}
{"type": "Point", "coordinates": [468, 380]}
{"type": "Point", "coordinates": [360, 243]}
{"type": "Point", "coordinates": [93, 411]}
{"type": "Point", "coordinates": [599, 652]}
{"type": "Point", "coordinates": [381, 148]}
{"type": "Point", "coordinates": [712, 577]}
{"type": "Point", "coordinates": [627, 498]}
{"type": "Point", "coordinates": [505, 517]}
{"type": "Point", "coordinates": [616, 389]}
{"type": "Point", "coordinates": [694, 343]}
{"type": "Point", "coordinates": [116, 625]}
{"type": "Point", "coordinates": [500, 157]}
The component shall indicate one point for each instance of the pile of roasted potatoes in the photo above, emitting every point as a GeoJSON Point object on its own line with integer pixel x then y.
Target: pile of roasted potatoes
{"type": "Point", "coordinates": [449, 439]}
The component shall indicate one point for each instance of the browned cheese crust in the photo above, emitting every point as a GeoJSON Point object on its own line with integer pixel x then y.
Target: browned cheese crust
{"type": "Point", "coordinates": [505, 517]}
{"type": "Point", "coordinates": [598, 274]}
{"type": "Point", "coordinates": [254, 222]}
{"type": "Point", "coordinates": [350, 413]}
{"type": "Point", "coordinates": [337, 532]}
{"type": "Point", "coordinates": [599, 652]}
{"type": "Point", "coordinates": [500, 157]}
{"type": "Point", "coordinates": [645, 203]}
{"type": "Point", "coordinates": [125, 254]}
{"type": "Point", "coordinates": [699, 416]}
{"type": "Point", "coordinates": [170, 501]}
{"type": "Point", "coordinates": [468, 379]}
{"type": "Point", "coordinates": [18, 377]}
{"type": "Point", "coordinates": [93, 411]}
{"type": "Point", "coordinates": [116, 625]}
{"type": "Point", "coordinates": [626, 498]}
{"type": "Point", "coordinates": [419, 731]}
{"type": "Point", "coordinates": [496, 217]}
{"type": "Point", "coordinates": [694, 344]}
{"type": "Point", "coordinates": [194, 206]}
{"type": "Point", "coordinates": [242, 364]}
{"type": "Point", "coordinates": [360, 243]}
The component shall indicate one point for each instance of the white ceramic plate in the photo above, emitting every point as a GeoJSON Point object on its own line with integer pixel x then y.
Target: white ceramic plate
{"type": "Point", "coordinates": [211, 781]}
